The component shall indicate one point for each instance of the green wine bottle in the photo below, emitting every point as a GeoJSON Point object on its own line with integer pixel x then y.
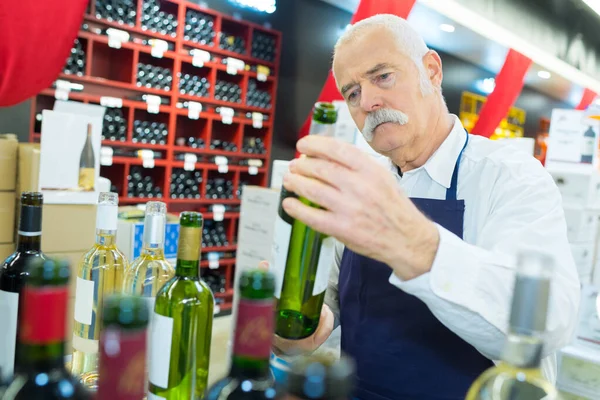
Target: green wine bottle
{"type": "Point", "coordinates": [42, 334]}
{"type": "Point", "coordinates": [182, 323]}
{"type": "Point", "coordinates": [302, 257]}
{"type": "Point", "coordinates": [250, 376]}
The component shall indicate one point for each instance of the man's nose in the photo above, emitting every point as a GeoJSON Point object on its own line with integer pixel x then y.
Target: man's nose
{"type": "Point", "coordinates": [370, 99]}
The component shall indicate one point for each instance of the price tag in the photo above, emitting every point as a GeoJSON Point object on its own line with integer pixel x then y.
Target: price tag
{"type": "Point", "coordinates": [106, 156]}
{"type": "Point", "coordinates": [218, 212]}
{"type": "Point", "coordinates": [153, 103]}
{"type": "Point", "coordinates": [147, 158]}
{"type": "Point", "coordinates": [158, 47]}
{"type": "Point", "coordinates": [116, 37]}
{"type": "Point", "coordinates": [253, 162]}
{"type": "Point", "coordinates": [199, 57]}
{"type": "Point", "coordinates": [223, 169]}
{"type": "Point", "coordinates": [234, 65]}
{"type": "Point", "coordinates": [194, 109]}
{"type": "Point", "coordinates": [62, 90]}
{"type": "Point", "coordinates": [226, 115]}
{"type": "Point", "coordinates": [189, 161]}
{"type": "Point", "coordinates": [252, 170]}
{"type": "Point", "coordinates": [113, 102]}
{"type": "Point", "coordinates": [213, 260]}
{"type": "Point", "coordinates": [257, 120]}
{"type": "Point", "coordinates": [221, 160]}
{"type": "Point", "coordinates": [262, 73]}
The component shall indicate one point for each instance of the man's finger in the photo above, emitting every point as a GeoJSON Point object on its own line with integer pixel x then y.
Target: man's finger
{"type": "Point", "coordinates": [320, 220]}
{"type": "Point", "coordinates": [312, 189]}
{"type": "Point", "coordinates": [326, 171]}
{"type": "Point", "coordinates": [331, 149]}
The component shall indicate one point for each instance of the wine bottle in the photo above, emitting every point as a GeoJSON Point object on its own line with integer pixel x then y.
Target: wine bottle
{"type": "Point", "coordinates": [42, 336]}
{"type": "Point", "coordinates": [123, 348]}
{"type": "Point", "coordinates": [100, 274]}
{"type": "Point", "coordinates": [518, 376]}
{"type": "Point", "coordinates": [182, 323]}
{"type": "Point", "coordinates": [13, 274]}
{"type": "Point", "coordinates": [302, 257]}
{"type": "Point", "coordinates": [250, 376]}
{"type": "Point", "coordinates": [320, 377]}
{"type": "Point", "coordinates": [87, 163]}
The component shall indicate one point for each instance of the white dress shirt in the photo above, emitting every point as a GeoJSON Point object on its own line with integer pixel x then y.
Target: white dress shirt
{"type": "Point", "coordinates": [511, 202]}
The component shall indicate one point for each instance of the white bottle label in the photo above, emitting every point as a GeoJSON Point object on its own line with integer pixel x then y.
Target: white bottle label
{"type": "Point", "coordinates": [326, 258]}
{"type": "Point", "coordinates": [9, 309]}
{"type": "Point", "coordinates": [107, 217]}
{"type": "Point", "coordinates": [160, 350]}
{"type": "Point", "coordinates": [281, 246]}
{"type": "Point", "coordinates": [84, 301]}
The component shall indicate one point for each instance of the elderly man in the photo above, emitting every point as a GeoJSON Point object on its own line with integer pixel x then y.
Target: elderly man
{"type": "Point", "coordinates": [423, 281]}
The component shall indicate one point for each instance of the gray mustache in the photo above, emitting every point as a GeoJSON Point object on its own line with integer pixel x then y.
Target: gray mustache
{"type": "Point", "coordinates": [381, 116]}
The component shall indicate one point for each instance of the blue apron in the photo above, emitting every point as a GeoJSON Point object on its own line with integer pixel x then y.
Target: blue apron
{"type": "Point", "coordinates": [402, 351]}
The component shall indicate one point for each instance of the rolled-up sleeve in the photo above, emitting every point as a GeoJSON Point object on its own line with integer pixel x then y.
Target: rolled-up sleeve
{"type": "Point", "coordinates": [469, 287]}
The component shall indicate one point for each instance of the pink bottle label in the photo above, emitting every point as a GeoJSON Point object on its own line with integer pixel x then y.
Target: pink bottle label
{"type": "Point", "coordinates": [254, 329]}
{"type": "Point", "coordinates": [122, 364]}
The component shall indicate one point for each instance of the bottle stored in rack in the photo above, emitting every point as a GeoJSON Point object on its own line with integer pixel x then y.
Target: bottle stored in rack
{"type": "Point", "coordinates": [216, 281]}
{"type": "Point", "coordinates": [228, 91]}
{"type": "Point", "coordinates": [232, 43]}
{"type": "Point", "coordinates": [75, 64]}
{"type": "Point", "coordinates": [149, 132]}
{"type": "Point", "coordinates": [151, 76]}
{"type": "Point", "coordinates": [213, 234]}
{"type": "Point", "coordinates": [256, 97]}
{"type": "Point", "coordinates": [224, 145]}
{"type": "Point", "coordinates": [193, 85]}
{"type": "Point", "coordinates": [121, 11]}
{"type": "Point", "coordinates": [142, 185]}
{"type": "Point", "coordinates": [155, 20]}
{"type": "Point", "coordinates": [254, 145]}
{"type": "Point", "coordinates": [219, 188]}
{"type": "Point", "coordinates": [185, 184]}
{"type": "Point", "coordinates": [114, 125]}
{"type": "Point", "coordinates": [263, 46]}
{"type": "Point", "coordinates": [199, 28]}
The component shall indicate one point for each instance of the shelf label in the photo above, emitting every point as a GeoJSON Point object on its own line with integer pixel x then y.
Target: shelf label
{"type": "Point", "coordinates": [62, 90]}
{"type": "Point", "coordinates": [262, 73]}
{"type": "Point", "coordinates": [223, 169]}
{"type": "Point", "coordinates": [147, 157]}
{"type": "Point", "coordinates": [252, 170]}
{"type": "Point", "coordinates": [257, 120]}
{"type": "Point", "coordinates": [153, 103]}
{"type": "Point", "coordinates": [199, 57]}
{"type": "Point", "coordinates": [226, 115]}
{"type": "Point", "coordinates": [159, 47]}
{"type": "Point", "coordinates": [113, 102]}
{"type": "Point", "coordinates": [189, 161]}
{"type": "Point", "coordinates": [234, 65]}
{"type": "Point", "coordinates": [218, 212]}
{"type": "Point", "coordinates": [213, 260]}
{"type": "Point", "coordinates": [116, 37]}
{"type": "Point", "coordinates": [194, 109]}
{"type": "Point", "coordinates": [253, 162]}
{"type": "Point", "coordinates": [106, 156]}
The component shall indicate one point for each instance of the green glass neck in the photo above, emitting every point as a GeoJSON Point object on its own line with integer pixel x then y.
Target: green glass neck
{"type": "Point", "coordinates": [187, 268]}
{"type": "Point", "coordinates": [29, 243]}
{"type": "Point", "coordinates": [44, 357]}
{"type": "Point", "coordinates": [523, 351]}
{"type": "Point", "coordinates": [106, 237]}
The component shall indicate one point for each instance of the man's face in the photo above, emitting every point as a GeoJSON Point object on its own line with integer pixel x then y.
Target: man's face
{"type": "Point", "coordinates": [373, 73]}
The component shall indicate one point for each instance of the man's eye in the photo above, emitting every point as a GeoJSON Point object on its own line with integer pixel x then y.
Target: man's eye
{"type": "Point", "coordinates": [385, 77]}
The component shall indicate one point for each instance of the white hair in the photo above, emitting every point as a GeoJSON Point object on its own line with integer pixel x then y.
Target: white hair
{"type": "Point", "coordinates": [409, 41]}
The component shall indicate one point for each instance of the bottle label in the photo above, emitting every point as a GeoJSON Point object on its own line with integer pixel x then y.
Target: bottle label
{"type": "Point", "coordinates": [160, 350]}
{"type": "Point", "coordinates": [44, 315]}
{"type": "Point", "coordinates": [189, 243]}
{"type": "Point", "coordinates": [84, 301]}
{"type": "Point", "coordinates": [86, 178]}
{"type": "Point", "coordinates": [9, 310]}
{"type": "Point", "coordinates": [31, 221]}
{"type": "Point", "coordinates": [107, 217]}
{"type": "Point", "coordinates": [281, 246]}
{"type": "Point", "coordinates": [122, 364]}
{"type": "Point", "coordinates": [254, 329]}
{"type": "Point", "coordinates": [326, 259]}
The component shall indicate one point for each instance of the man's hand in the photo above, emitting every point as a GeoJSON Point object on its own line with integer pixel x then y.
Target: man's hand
{"type": "Point", "coordinates": [362, 206]}
{"type": "Point", "coordinates": [309, 344]}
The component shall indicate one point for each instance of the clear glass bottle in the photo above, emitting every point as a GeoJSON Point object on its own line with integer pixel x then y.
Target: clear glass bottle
{"type": "Point", "coordinates": [518, 376]}
{"type": "Point", "coordinates": [100, 274]}
{"type": "Point", "coordinates": [182, 323]}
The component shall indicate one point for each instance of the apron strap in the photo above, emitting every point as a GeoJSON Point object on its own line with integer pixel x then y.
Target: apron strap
{"type": "Point", "coordinates": [451, 192]}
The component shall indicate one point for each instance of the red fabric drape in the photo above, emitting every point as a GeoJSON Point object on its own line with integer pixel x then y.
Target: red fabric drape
{"type": "Point", "coordinates": [36, 37]}
{"type": "Point", "coordinates": [586, 99]}
{"type": "Point", "coordinates": [509, 83]}
{"type": "Point", "coordinates": [366, 8]}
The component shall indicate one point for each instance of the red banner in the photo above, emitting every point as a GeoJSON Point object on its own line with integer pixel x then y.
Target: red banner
{"type": "Point", "coordinates": [586, 99]}
{"type": "Point", "coordinates": [509, 83]}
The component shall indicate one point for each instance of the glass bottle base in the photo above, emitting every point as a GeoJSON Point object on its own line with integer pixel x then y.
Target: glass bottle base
{"type": "Point", "coordinates": [291, 324]}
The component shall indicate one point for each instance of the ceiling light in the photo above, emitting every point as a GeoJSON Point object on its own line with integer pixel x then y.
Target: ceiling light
{"type": "Point", "coordinates": [447, 28]}
{"type": "Point", "coordinates": [486, 85]}
{"type": "Point", "coordinates": [593, 4]}
{"type": "Point", "coordinates": [544, 74]}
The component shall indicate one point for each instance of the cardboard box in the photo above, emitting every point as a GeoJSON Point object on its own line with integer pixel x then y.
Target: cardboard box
{"type": "Point", "coordinates": [28, 171]}
{"type": "Point", "coordinates": [68, 228]}
{"type": "Point", "coordinates": [578, 189]}
{"type": "Point", "coordinates": [582, 224]}
{"type": "Point", "coordinates": [6, 250]}
{"type": "Point", "coordinates": [8, 161]}
{"type": "Point", "coordinates": [130, 238]}
{"type": "Point", "coordinates": [583, 254]}
{"type": "Point", "coordinates": [7, 217]}
{"type": "Point", "coordinates": [578, 371]}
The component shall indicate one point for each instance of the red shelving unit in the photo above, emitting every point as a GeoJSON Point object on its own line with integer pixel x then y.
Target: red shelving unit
{"type": "Point", "coordinates": [112, 72]}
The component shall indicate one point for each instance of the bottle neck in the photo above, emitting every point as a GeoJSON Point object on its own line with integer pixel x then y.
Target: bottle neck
{"type": "Point", "coordinates": [105, 237]}
{"type": "Point", "coordinates": [26, 243]}
{"type": "Point", "coordinates": [523, 351]}
{"type": "Point", "coordinates": [30, 229]}
{"type": "Point", "coordinates": [154, 250]}
{"type": "Point", "coordinates": [188, 252]}
{"type": "Point", "coordinates": [187, 268]}
{"type": "Point", "coordinates": [43, 328]}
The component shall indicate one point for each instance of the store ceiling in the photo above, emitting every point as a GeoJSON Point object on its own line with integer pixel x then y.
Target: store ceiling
{"type": "Point", "coordinates": [479, 49]}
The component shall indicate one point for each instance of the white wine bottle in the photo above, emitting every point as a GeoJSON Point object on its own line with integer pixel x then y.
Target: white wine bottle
{"type": "Point", "coordinates": [100, 274]}
{"type": "Point", "coordinates": [182, 323]}
{"type": "Point", "coordinates": [302, 257]}
{"type": "Point", "coordinates": [87, 163]}
{"type": "Point", "coordinates": [518, 376]}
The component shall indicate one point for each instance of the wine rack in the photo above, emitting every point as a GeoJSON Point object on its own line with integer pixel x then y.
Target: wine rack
{"type": "Point", "coordinates": [207, 135]}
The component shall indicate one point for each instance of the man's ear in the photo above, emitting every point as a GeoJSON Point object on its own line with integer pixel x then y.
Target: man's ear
{"type": "Point", "coordinates": [433, 67]}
